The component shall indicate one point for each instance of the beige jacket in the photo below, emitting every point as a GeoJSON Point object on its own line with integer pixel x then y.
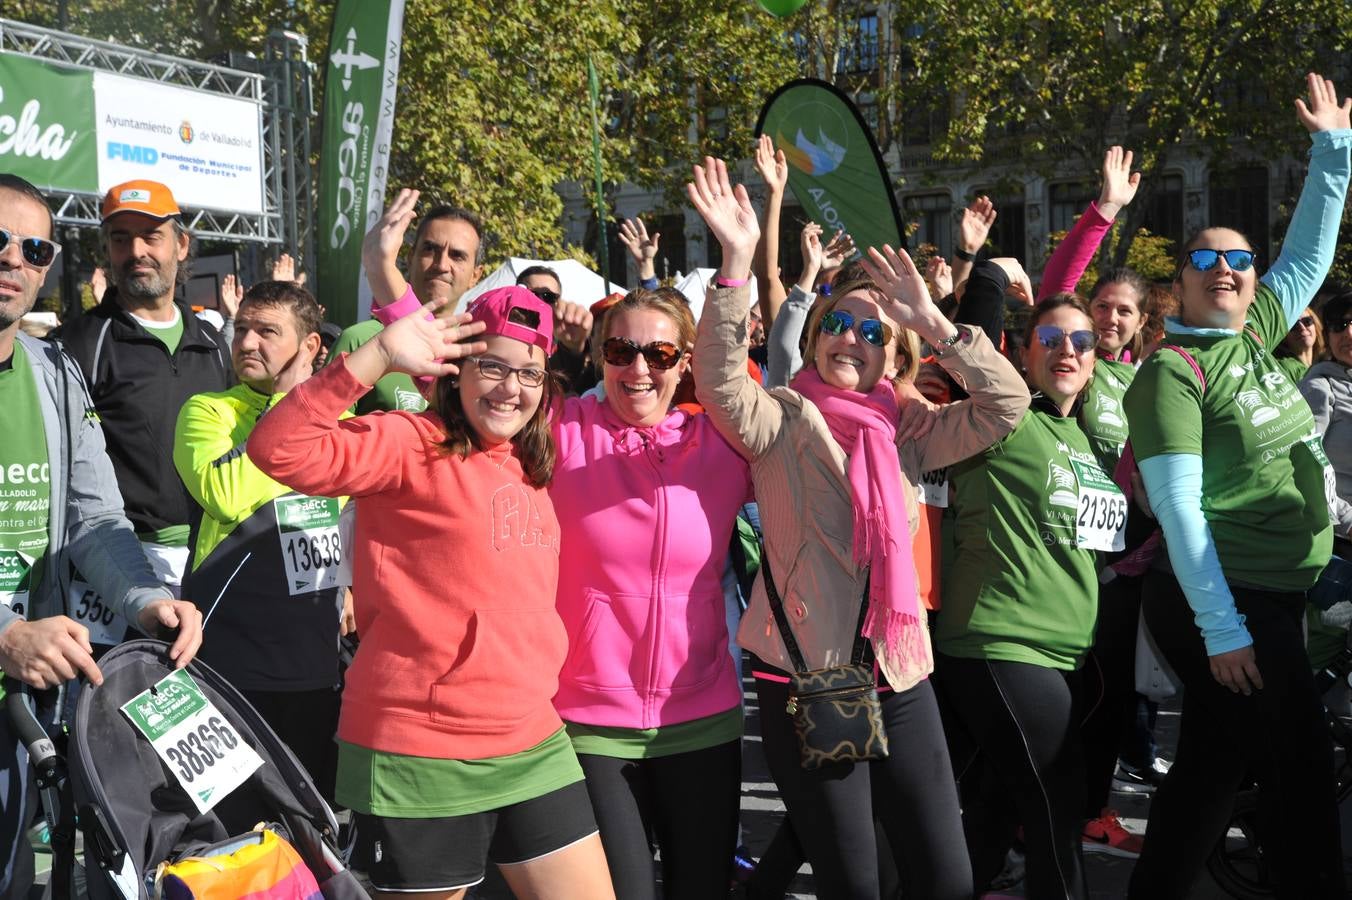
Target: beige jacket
{"type": "Point", "coordinates": [802, 488]}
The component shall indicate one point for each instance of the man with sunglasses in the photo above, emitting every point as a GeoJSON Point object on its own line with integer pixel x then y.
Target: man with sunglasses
{"type": "Point", "coordinates": [144, 353]}
{"type": "Point", "coordinates": [572, 322]}
{"type": "Point", "coordinates": [59, 503]}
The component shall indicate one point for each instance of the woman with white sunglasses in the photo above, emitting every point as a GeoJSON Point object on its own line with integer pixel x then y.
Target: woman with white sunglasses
{"type": "Point", "coordinates": [1236, 473]}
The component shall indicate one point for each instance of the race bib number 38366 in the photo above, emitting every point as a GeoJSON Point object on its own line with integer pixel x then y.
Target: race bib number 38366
{"type": "Point", "coordinates": [312, 548]}
{"type": "Point", "coordinates": [199, 745]}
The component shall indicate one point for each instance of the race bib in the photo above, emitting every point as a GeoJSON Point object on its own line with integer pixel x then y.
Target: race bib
{"type": "Point", "coordinates": [14, 568]}
{"type": "Point", "coordinates": [1101, 511]}
{"type": "Point", "coordinates": [934, 488]}
{"type": "Point", "coordinates": [1316, 445]}
{"type": "Point", "coordinates": [105, 624]}
{"type": "Point", "coordinates": [201, 748]}
{"type": "Point", "coordinates": [312, 547]}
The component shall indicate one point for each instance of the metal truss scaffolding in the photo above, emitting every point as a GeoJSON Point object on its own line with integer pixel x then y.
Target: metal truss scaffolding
{"type": "Point", "coordinates": [280, 86]}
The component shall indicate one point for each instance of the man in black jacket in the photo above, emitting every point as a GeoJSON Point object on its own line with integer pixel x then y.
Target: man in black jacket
{"type": "Point", "coordinates": [144, 353]}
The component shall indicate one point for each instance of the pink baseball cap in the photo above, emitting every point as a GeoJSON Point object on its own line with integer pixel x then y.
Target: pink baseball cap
{"type": "Point", "coordinates": [515, 312]}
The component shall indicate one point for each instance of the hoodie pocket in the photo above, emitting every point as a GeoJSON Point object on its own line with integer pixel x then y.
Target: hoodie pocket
{"type": "Point", "coordinates": [505, 671]}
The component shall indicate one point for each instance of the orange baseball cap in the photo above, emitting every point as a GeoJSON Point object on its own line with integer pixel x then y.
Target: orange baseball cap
{"type": "Point", "coordinates": [605, 303]}
{"type": "Point", "coordinates": [149, 198]}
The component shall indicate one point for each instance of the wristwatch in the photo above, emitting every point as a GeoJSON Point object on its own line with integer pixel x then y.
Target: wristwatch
{"type": "Point", "coordinates": [961, 335]}
{"type": "Point", "coordinates": [963, 254]}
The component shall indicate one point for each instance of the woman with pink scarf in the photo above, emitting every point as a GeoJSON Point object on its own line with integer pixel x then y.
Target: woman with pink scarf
{"type": "Point", "coordinates": [833, 484]}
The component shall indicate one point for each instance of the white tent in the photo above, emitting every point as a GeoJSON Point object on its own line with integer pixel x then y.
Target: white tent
{"type": "Point", "coordinates": [580, 284]}
{"type": "Point", "coordinates": [695, 285]}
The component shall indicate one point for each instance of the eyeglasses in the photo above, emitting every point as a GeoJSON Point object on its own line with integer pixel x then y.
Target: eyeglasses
{"type": "Point", "coordinates": [37, 252]}
{"type": "Point", "coordinates": [545, 294]}
{"type": "Point", "coordinates": [660, 355]}
{"type": "Point", "coordinates": [1305, 321]}
{"type": "Point", "coordinates": [873, 331]}
{"type": "Point", "coordinates": [498, 371]}
{"type": "Point", "coordinates": [1204, 259]}
{"type": "Point", "coordinates": [1053, 338]}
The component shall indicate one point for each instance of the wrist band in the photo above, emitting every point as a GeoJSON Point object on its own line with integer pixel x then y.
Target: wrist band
{"type": "Point", "coordinates": [963, 254]}
{"type": "Point", "coordinates": [731, 282]}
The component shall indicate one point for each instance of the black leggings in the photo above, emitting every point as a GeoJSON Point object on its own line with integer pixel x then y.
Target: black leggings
{"type": "Point", "coordinates": [688, 802]}
{"type": "Point", "coordinates": [1023, 721]}
{"type": "Point", "coordinates": [911, 793]}
{"type": "Point", "coordinates": [1277, 735]}
{"type": "Point", "coordinates": [1109, 681]}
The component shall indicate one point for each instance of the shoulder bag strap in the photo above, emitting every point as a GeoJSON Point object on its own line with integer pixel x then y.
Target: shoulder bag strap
{"type": "Point", "coordinates": [861, 644]}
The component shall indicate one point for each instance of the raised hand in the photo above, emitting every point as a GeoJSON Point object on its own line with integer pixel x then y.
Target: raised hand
{"type": "Point", "coordinates": [1119, 182]}
{"type": "Point", "coordinates": [810, 242]}
{"type": "Point", "coordinates": [838, 249]}
{"type": "Point", "coordinates": [1020, 285]}
{"type": "Point", "coordinates": [975, 224]}
{"type": "Point", "coordinates": [1324, 112]}
{"type": "Point", "coordinates": [729, 215]}
{"type": "Point", "coordinates": [572, 325]}
{"type": "Point", "coordinates": [634, 236]}
{"type": "Point", "coordinates": [419, 346]}
{"type": "Point", "coordinates": [284, 268]}
{"type": "Point", "coordinates": [902, 294]}
{"type": "Point", "coordinates": [771, 165]}
{"type": "Point", "coordinates": [380, 246]}
{"type": "Point", "coordinates": [939, 275]}
{"type": "Point", "coordinates": [231, 295]}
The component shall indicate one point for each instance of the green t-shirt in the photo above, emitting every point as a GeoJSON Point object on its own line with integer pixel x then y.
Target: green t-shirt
{"type": "Point", "coordinates": [393, 392]}
{"type": "Point", "coordinates": [1294, 368]}
{"type": "Point", "coordinates": [420, 787]}
{"type": "Point", "coordinates": [652, 743]}
{"type": "Point", "coordinates": [25, 483]}
{"type": "Point", "coordinates": [1102, 415]}
{"type": "Point", "coordinates": [1265, 478]}
{"type": "Point", "coordinates": [1019, 588]}
{"type": "Point", "coordinates": [169, 333]}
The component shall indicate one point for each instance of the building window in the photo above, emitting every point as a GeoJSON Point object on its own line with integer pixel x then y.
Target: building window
{"type": "Point", "coordinates": [860, 53]}
{"type": "Point", "coordinates": [933, 216]}
{"type": "Point", "coordinates": [1164, 213]}
{"type": "Point", "coordinates": [1068, 202]}
{"type": "Point", "coordinates": [1239, 200]}
{"type": "Point", "coordinates": [1009, 234]}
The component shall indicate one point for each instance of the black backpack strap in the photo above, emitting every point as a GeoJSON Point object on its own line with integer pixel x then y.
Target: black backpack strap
{"type": "Point", "coordinates": [861, 644]}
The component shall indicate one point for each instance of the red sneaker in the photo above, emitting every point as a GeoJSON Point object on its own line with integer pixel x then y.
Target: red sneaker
{"type": "Point", "coordinates": [1106, 834]}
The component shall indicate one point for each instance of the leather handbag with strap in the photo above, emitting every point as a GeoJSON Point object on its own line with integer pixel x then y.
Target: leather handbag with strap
{"type": "Point", "coordinates": [835, 711]}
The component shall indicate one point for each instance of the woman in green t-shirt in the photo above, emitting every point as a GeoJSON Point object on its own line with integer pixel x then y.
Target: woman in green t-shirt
{"type": "Point", "coordinates": [1020, 604]}
{"type": "Point", "coordinates": [1237, 476]}
{"type": "Point", "coordinates": [1302, 347]}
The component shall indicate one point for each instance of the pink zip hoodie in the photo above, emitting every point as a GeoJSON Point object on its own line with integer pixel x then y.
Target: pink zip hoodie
{"type": "Point", "coordinates": [646, 516]}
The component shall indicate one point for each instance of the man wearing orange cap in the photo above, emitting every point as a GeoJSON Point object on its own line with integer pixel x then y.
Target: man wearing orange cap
{"type": "Point", "coordinates": [144, 353]}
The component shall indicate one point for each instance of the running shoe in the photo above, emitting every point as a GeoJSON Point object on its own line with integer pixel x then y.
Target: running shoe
{"type": "Point", "coordinates": [1132, 780]}
{"type": "Point", "coordinates": [1106, 834]}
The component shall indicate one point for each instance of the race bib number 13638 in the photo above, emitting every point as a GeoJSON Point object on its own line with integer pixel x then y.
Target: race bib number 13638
{"type": "Point", "coordinates": [312, 547]}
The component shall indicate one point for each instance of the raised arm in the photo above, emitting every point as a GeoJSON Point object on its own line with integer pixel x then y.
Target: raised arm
{"type": "Point", "coordinates": [1311, 238]}
{"type": "Point", "coordinates": [775, 170]}
{"type": "Point", "coordinates": [974, 226]}
{"type": "Point", "coordinates": [782, 353]}
{"type": "Point", "coordinates": [748, 417]}
{"type": "Point", "coordinates": [642, 249]}
{"type": "Point", "coordinates": [1073, 255]}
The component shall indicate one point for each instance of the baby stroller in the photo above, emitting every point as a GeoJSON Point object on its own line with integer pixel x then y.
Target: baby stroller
{"type": "Point", "coordinates": [135, 813]}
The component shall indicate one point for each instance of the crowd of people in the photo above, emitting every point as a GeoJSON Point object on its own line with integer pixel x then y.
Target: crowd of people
{"type": "Point", "coordinates": [559, 536]}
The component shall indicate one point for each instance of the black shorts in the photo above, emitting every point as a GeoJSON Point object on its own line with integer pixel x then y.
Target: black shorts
{"type": "Point", "coordinates": [450, 852]}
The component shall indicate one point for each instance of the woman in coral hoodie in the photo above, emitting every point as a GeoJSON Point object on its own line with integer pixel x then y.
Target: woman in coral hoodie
{"type": "Point", "coordinates": [450, 750]}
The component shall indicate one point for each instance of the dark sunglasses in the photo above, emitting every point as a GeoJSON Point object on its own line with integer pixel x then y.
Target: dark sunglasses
{"type": "Point", "coordinates": [1340, 325]}
{"type": "Point", "coordinates": [1052, 338]}
{"type": "Point", "coordinates": [37, 252]}
{"type": "Point", "coordinates": [660, 355]}
{"type": "Point", "coordinates": [545, 294]}
{"type": "Point", "coordinates": [1204, 259]}
{"type": "Point", "coordinates": [1306, 322]}
{"type": "Point", "coordinates": [873, 331]}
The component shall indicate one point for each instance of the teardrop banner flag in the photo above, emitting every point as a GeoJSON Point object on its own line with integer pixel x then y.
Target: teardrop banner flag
{"type": "Point", "coordinates": [835, 169]}
{"type": "Point", "coordinates": [360, 78]}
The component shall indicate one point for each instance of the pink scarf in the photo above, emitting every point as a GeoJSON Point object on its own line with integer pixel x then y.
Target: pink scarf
{"type": "Point", "coordinates": [865, 427]}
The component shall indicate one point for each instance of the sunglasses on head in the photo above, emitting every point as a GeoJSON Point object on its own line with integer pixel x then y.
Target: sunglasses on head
{"type": "Point", "coordinates": [1052, 338]}
{"type": "Point", "coordinates": [37, 252]}
{"type": "Point", "coordinates": [1237, 260]}
{"type": "Point", "coordinates": [658, 355]}
{"type": "Point", "coordinates": [545, 294]}
{"type": "Point", "coordinates": [873, 331]}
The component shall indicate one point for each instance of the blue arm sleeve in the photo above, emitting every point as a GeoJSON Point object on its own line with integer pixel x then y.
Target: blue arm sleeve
{"type": "Point", "coordinates": [1307, 249]}
{"type": "Point", "coordinates": [1173, 482]}
{"type": "Point", "coordinates": [648, 284]}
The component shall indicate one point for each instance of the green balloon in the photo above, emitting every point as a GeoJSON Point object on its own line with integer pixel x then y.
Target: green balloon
{"type": "Point", "coordinates": [781, 8]}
